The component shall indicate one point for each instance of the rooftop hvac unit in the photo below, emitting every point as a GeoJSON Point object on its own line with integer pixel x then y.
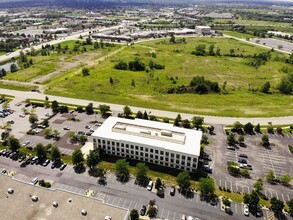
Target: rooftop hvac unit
{"type": "Point", "coordinates": [166, 133]}
{"type": "Point", "coordinates": [120, 127]}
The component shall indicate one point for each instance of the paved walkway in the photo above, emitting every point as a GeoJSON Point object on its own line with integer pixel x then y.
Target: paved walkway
{"type": "Point", "coordinates": [169, 114]}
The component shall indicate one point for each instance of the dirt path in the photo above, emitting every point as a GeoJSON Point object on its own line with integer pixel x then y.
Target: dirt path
{"type": "Point", "coordinates": [85, 59]}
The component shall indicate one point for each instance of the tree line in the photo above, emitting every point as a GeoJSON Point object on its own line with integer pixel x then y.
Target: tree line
{"type": "Point", "coordinates": [138, 65]}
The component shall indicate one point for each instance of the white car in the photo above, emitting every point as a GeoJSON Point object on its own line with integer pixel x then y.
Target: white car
{"type": "Point", "coordinates": [26, 143]}
{"type": "Point", "coordinates": [150, 186]}
{"type": "Point", "coordinates": [183, 217]}
{"type": "Point", "coordinates": [246, 210]}
{"type": "Point", "coordinates": [34, 180]}
{"type": "Point", "coordinates": [107, 217]}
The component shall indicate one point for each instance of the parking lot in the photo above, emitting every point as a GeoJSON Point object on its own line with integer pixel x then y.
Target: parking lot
{"type": "Point", "coordinates": [60, 122]}
{"type": "Point", "coordinates": [276, 158]}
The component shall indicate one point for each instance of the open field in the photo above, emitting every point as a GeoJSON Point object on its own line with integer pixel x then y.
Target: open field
{"type": "Point", "coordinates": [57, 62]}
{"type": "Point", "coordinates": [150, 88]}
{"type": "Point", "coordinates": [254, 22]}
{"type": "Point", "coordinates": [238, 34]}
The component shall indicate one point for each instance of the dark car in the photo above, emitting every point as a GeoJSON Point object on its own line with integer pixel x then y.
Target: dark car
{"type": "Point", "coordinates": [241, 160]}
{"type": "Point", "coordinates": [28, 161]}
{"type": "Point", "coordinates": [7, 154]}
{"type": "Point", "coordinates": [143, 210]}
{"type": "Point", "coordinates": [55, 164]}
{"type": "Point", "coordinates": [242, 155]}
{"type": "Point", "coordinates": [172, 191]}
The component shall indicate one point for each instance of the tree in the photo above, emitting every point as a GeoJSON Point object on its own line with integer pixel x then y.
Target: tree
{"type": "Point", "coordinates": [104, 110]}
{"type": "Point", "coordinates": [265, 141]}
{"type": "Point", "coordinates": [211, 129]}
{"type": "Point", "coordinates": [55, 153]}
{"type": "Point", "coordinates": [218, 52]}
{"type": "Point", "coordinates": [63, 109]}
{"type": "Point", "coordinates": [127, 112]}
{"type": "Point", "coordinates": [285, 179]}
{"type": "Point", "coordinates": [183, 180]}
{"type": "Point", "coordinates": [89, 109]}
{"type": "Point", "coordinates": [79, 109]}
{"type": "Point", "coordinates": [241, 139]}
{"type": "Point", "coordinates": [55, 106]}
{"type": "Point", "coordinates": [77, 157]}
{"type": "Point", "coordinates": [257, 128]}
{"type": "Point", "coordinates": [85, 71]}
{"type": "Point", "coordinates": [200, 50]}
{"type": "Point", "coordinates": [270, 176]}
{"type": "Point", "coordinates": [55, 134]}
{"type": "Point", "coordinates": [211, 50]}
{"type": "Point", "coordinates": [207, 186]}
{"type": "Point", "coordinates": [172, 39]}
{"type": "Point", "coordinates": [132, 83]}
{"type": "Point", "coordinates": [13, 68]}
{"type": "Point", "coordinates": [139, 115]}
{"type": "Point", "coordinates": [197, 121]}
{"type": "Point", "coordinates": [231, 139]}
{"type": "Point", "coordinates": [41, 151]}
{"type": "Point", "coordinates": [145, 116]}
{"type": "Point", "coordinates": [290, 205]}
{"type": "Point", "coordinates": [122, 169]}
{"type": "Point", "coordinates": [258, 186]}
{"type": "Point", "coordinates": [92, 159]}
{"type": "Point", "coordinates": [237, 127]}
{"type": "Point", "coordinates": [277, 206]}
{"type": "Point", "coordinates": [226, 201]}
{"type": "Point", "coordinates": [266, 87]}
{"type": "Point", "coordinates": [82, 139]}
{"type": "Point", "coordinates": [141, 171]}
{"type": "Point", "coordinates": [248, 128]}
{"type": "Point", "coordinates": [253, 201]}
{"type": "Point", "coordinates": [48, 132]}
{"type": "Point", "coordinates": [177, 120]}
{"type": "Point", "coordinates": [186, 123]}
{"type": "Point", "coordinates": [134, 214]}
{"type": "Point", "coordinates": [13, 143]}
{"type": "Point", "coordinates": [33, 118]}
{"type": "Point", "coordinates": [158, 183]}
{"type": "Point", "coordinates": [152, 211]}
{"type": "Point", "coordinates": [111, 80]}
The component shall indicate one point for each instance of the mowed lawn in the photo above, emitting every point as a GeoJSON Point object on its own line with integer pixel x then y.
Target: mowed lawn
{"type": "Point", "coordinates": [62, 62]}
{"type": "Point", "coordinates": [150, 87]}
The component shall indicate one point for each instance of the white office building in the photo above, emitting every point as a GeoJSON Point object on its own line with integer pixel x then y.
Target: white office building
{"type": "Point", "coordinates": [153, 142]}
{"type": "Point", "coordinates": [204, 30]}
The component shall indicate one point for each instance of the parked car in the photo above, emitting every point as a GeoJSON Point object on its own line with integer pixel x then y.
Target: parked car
{"type": "Point", "coordinates": [208, 168]}
{"type": "Point", "coordinates": [66, 128]}
{"type": "Point", "coordinates": [88, 133]}
{"type": "Point", "coordinates": [142, 210]}
{"type": "Point", "coordinates": [258, 212]}
{"type": "Point", "coordinates": [63, 166]}
{"type": "Point", "coordinates": [10, 122]}
{"type": "Point", "coordinates": [87, 127]}
{"type": "Point", "coordinates": [241, 160]}
{"type": "Point", "coordinates": [107, 218]}
{"type": "Point", "coordinates": [242, 155]}
{"type": "Point", "coordinates": [2, 152]}
{"type": "Point", "coordinates": [25, 143]}
{"type": "Point", "coordinates": [34, 180]}
{"type": "Point", "coordinates": [55, 164]}
{"type": "Point", "coordinates": [33, 160]}
{"type": "Point", "coordinates": [231, 148]}
{"type": "Point", "coordinates": [172, 191]}
{"type": "Point", "coordinates": [150, 186]}
{"type": "Point", "coordinates": [22, 115]}
{"type": "Point", "coordinates": [245, 210]}
{"type": "Point", "coordinates": [47, 161]}
{"type": "Point", "coordinates": [183, 217]}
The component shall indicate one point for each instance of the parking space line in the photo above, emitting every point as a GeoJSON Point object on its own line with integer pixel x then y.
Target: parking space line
{"type": "Point", "coordinates": [277, 195]}
{"type": "Point", "coordinates": [271, 194]}
{"type": "Point", "coordinates": [108, 199]}
{"type": "Point", "coordinates": [288, 197]}
{"type": "Point", "coordinates": [129, 204]}
{"type": "Point", "coordinates": [124, 203]}
{"type": "Point", "coordinates": [283, 197]}
{"type": "Point", "coordinates": [113, 202]}
{"type": "Point", "coordinates": [119, 202]}
{"type": "Point", "coordinates": [162, 213]}
{"type": "Point", "coordinates": [174, 216]}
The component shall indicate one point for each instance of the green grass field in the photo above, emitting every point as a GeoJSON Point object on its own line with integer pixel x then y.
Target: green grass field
{"type": "Point", "coordinates": [16, 87]}
{"type": "Point", "coordinates": [254, 22]}
{"type": "Point", "coordinates": [237, 34]}
{"type": "Point", "coordinates": [182, 66]}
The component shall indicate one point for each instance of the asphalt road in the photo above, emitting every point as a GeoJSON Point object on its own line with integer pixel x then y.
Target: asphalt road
{"type": "Point", "coordinates": [178, 204]}
{"type": "Point", "coordinates": [119, 108]}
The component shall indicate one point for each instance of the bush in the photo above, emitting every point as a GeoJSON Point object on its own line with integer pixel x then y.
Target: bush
{"type": "Point", "coordinates": [47, 185]}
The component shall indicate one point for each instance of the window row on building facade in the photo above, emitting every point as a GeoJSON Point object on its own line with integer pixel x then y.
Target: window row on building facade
{"type": "Point", "coordinates": [148, 154]}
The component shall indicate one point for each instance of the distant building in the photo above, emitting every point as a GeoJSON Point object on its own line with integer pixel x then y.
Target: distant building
{"type": "Point", "coordinates": [204, 30]}
{"type": "Point", "coordinates": [153, 142]}
{"type": "Point", "coordinates": [57, 31]}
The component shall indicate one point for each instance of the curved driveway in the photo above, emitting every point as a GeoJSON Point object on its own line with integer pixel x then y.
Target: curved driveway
{"type": "Point", "coordinates": [119, 108]}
